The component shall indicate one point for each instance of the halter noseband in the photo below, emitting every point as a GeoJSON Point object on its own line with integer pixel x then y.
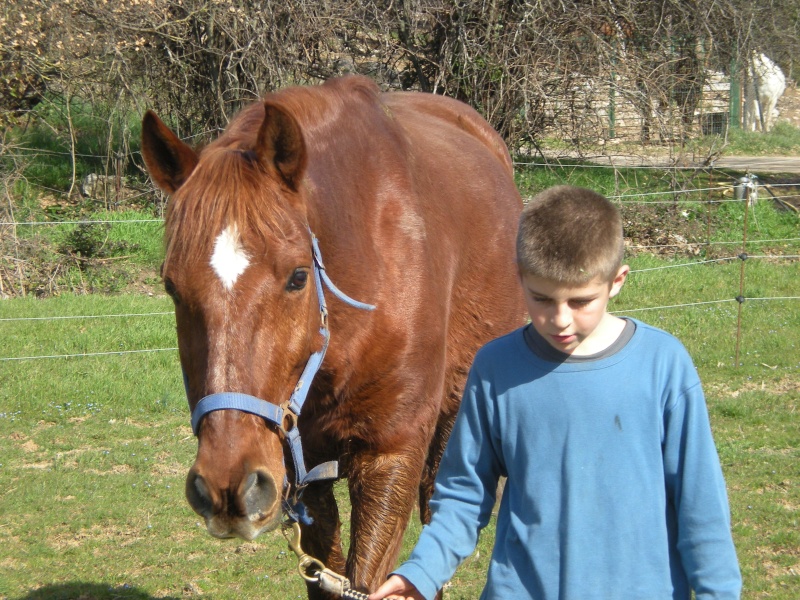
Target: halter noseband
{"type": "Point", "coordinates": [287, 415]}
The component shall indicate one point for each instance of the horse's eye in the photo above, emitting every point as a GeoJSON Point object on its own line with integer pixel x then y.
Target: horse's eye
{"type": "Point", "coordinates": [298, 280]}
{"type": "Point", "coordinates": [169, 287]}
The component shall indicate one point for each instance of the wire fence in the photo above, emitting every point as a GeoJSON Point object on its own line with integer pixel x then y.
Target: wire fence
{"type": "Point", "coordinates": [741, 191]}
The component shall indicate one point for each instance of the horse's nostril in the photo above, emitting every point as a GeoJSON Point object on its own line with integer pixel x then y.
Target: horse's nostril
{"type": "Point", "coordinates": [259, 493]}
{"type": "Point", "coordinates": [198, 495]}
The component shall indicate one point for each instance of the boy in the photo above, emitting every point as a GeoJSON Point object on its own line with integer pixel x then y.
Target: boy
{"type": "Point", "coordinates": [614, 486]}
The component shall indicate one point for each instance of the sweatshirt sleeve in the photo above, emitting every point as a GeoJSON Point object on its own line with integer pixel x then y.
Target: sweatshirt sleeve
{"type": "Point", "coordinates": [463, 497]}
{"type": "Point", "coordinates": [696, 491]}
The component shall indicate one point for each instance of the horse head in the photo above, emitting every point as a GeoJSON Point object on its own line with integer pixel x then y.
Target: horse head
{"type": "Point", "coordinates": [239, 267]}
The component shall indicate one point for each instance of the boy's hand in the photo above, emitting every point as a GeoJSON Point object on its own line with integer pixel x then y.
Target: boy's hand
{"type": "Point", "coordinates": [396, 588]}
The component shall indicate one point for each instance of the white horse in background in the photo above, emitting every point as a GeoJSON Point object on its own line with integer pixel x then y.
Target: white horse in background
{"type": "Point", "coordinates": [765, 83]}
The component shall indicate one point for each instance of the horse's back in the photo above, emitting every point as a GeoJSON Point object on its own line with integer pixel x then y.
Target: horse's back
{"type": "Point", "coordinates": [459, 121]}
{"type": "Point", "coordinates": [433, 143]}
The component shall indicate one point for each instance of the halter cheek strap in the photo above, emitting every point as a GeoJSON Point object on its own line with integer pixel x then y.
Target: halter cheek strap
{"type": "Point", "coordinates": [287, 415]}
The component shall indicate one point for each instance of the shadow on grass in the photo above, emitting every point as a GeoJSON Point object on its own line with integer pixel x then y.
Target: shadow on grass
{"type": "Point", "coordinates": [78, 590]}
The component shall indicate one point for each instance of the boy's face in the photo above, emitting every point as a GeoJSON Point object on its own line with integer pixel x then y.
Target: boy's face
{"type": "Point", "coordinates": [573, 318]}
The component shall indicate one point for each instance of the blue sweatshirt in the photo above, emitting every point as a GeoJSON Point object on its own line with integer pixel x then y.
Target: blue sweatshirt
{"type": "Point", "coordinates": [614, 485]}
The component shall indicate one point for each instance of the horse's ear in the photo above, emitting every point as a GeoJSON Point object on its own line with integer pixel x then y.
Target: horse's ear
{"type": "Point", "coordinates": [169, 161]}
{"type": "Point", "coordinates": [280, 144]}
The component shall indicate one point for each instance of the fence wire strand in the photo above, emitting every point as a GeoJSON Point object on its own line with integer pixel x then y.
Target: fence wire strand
{"type": "Point", "coordinates": [84, 222]}
{"type": "Point", "coordinates": [645, 198]}
{"type": "Point", "coordinates": [63, 317]}
{"type": "Point", "coordinates": [87, 354]}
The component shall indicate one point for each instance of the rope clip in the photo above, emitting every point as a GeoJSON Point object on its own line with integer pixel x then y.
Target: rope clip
{"type": "Point", "coordinates": [308, 566]}
{"type": "Point", "coordinates": [315, 571]}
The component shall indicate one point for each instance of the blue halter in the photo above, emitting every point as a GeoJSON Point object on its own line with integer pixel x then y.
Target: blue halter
{"type": "Point", "coordinates": [287, 415]}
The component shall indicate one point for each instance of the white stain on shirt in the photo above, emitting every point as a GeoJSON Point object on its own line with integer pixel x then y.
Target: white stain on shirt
{"type": "Point", "coordinates": [229, 259]}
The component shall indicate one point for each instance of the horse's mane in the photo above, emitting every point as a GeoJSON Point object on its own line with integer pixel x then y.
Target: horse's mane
{"type": "Point", "coordinates": [201, 210]}
{"type": "Point", "coordinates": [230, 188]}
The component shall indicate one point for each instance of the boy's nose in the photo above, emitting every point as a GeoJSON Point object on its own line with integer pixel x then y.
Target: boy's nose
{"type": "Point", "coordinates": [562, 316]}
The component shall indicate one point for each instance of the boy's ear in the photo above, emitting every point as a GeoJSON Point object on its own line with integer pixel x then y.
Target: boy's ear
{"type": "Point", "coordinates": [619, 280]}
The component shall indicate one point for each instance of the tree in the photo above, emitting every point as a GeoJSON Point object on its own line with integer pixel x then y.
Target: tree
{"type": "Point", "coordinates": [528, 65]}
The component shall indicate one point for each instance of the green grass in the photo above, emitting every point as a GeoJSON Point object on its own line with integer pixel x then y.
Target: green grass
{"type": "Point", "coordinates": [44, 147]}
{"type": "Point", "coordinates": [783, 139]}
{"type": "Point", "coordinates": [621, 182]}
{"type": "Point", "coordinates": [95, 449]}
{"type": "Point", "coordinates": [612, 182]}
{"type": "Point", "coordinates": [99, 251]}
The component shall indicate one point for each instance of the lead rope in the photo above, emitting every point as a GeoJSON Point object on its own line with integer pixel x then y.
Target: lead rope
{"type": "Point", "coordinates": [313, 570]}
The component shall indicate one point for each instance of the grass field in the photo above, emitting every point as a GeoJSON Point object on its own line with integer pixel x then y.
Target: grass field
{"type": "Point", "coordinates": [94, 449]}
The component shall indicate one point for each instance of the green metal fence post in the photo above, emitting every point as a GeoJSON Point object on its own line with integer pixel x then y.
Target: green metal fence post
{"type": "Point", "coordinates": [735, 102]}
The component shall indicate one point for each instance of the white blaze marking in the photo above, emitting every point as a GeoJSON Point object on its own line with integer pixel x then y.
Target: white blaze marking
{"type": "Point", "coordinates": [229, 259]}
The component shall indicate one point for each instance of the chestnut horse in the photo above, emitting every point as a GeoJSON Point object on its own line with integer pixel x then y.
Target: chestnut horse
{"type": "Point", "coordinates": [409, 198]}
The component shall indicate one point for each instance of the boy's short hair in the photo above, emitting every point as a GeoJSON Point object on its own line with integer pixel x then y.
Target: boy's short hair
{"type": "Point", "coordinates": [570, 235]}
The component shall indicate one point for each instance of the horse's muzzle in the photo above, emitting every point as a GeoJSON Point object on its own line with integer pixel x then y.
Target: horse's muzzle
{"type": "Point", "coordinates": [246, 510]}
